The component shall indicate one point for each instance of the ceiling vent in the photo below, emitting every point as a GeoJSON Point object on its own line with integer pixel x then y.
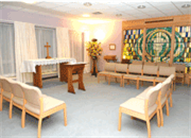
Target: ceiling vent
{"type": "Point", "coordinates": [159, 21]}
{"type": "Point", "coordinates": [96, 13]}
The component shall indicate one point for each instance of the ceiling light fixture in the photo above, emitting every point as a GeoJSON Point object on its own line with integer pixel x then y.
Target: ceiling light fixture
{"type": "Point", "coordinates": [87, 4]}
{"type": "Point", "coordinates": [29, 2]}
{"type": "Point", "coordinates": [141, 7]}
{"type": "Point", "coordinates": [86, 15]}
{"type": "Point", "coordinates": [118, 15]}
{"type": "Point", "coordinates": [186, 6]}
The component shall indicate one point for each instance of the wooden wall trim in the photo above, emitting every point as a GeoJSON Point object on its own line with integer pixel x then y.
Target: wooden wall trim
{"type": "Point", "coordinates": [179, 20]}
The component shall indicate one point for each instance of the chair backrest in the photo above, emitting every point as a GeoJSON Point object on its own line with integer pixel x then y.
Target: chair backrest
{"type": "Point", "coordinates": [110, 67]}
{"type": "Point", "coordinates": [150, 63]}
{"type": "Point", "coordinates": [137, 62]}
{"type": "Point", "coordinates": [135, 68]}
{"type": "Point", "coordinates": [121, 67]}
{"type": "Point", "coordinates": [166, 71]}
{"type": "Point", "coordinates": [163, 64]}
{"type": "Point", "coordinates": [179, 67]}
{"type": "Point", "coordinates": [149, 69]}
{"type": "Point", "coordinates": [5, 83]}
{"type": "Point", "coordinates": [152, 95]}
{"type": "Point", "coordinates": [165, 87]}
{"type": "Point", "coordinates": [32, 95]}
{"type": "Point", "coordinates": [17, 89]}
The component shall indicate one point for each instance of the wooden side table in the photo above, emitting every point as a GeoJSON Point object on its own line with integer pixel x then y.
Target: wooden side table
{"type": "Point", "coordinates": [66, 75]}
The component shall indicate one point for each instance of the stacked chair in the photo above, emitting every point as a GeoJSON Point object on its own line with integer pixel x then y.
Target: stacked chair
{"type": "Point", "coordinates": [180, 72]}
{"type": "Point", "coordinates": [148, 103]}
{"type": "Point", "coordinates": [30, 100]}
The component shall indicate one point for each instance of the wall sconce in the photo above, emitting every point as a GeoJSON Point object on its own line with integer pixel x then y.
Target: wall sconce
{"type": "Point", "coordinates": [112, 46]}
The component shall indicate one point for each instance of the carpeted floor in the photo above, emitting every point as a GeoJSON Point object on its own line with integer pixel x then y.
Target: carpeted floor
{"type": "Point", "coordinates": [94, 113]}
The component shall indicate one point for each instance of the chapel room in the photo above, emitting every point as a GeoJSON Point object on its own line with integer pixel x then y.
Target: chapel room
{"type": "Point", "coordinates": [95, 69]}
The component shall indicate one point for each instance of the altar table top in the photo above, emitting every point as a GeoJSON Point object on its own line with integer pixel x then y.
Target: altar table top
{"type": "Point", "coordinates": [30, 64]}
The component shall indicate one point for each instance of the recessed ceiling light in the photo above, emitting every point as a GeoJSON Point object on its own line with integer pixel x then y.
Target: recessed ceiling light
{"type": "Point", "coordinates": [87, 4]}
{"type": "Point", "coordinates": [118, 15]}
{"type": "Point", "coordinates": [29, 2]}
{"type": "Point", "coordinates": [141, 7]}
{"type": "Point", "coordinates": [86, 15]}
{"type": "Point", "coordinates": [186, 6]}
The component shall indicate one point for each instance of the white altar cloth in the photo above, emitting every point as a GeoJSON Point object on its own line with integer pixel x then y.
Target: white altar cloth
{"type": "Point", "coordinates": [29, 65]}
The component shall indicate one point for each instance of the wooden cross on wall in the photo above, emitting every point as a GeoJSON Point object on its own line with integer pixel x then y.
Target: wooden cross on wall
{"type": "Point", "coordinates": [47, 46]}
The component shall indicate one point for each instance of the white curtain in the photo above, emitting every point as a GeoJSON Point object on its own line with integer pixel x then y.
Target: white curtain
{"type": "Point", "coordinates": [7, 50]}
{"type": "Point", "coordinates": [76, 45]}
{"type": "Point", "coordinates": [25, 48]}
{"type": "Point", "coordinates": [63, 47]}
{"type": "Point", "coordinates": [86, 57]}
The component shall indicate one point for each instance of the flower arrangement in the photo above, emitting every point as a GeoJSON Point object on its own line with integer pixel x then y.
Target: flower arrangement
{"type": "Point", "coordinates": [94, 48]}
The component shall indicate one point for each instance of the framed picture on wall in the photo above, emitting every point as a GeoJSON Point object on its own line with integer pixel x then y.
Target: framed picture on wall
{"type": "Point", "coordinates": [112, 46]}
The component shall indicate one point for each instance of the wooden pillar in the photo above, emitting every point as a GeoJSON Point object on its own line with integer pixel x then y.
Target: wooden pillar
{"type": "Point", "coordinates": [37, 77]}
{"type": "Point", "coordinates": [144, 43]}
{"type": "Point", "coordinates": [172, 45]}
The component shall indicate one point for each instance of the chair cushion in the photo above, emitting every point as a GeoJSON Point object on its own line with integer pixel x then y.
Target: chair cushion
{"type": "Point", "coordinates": [121, 67]}
{"type": "Point", "coordinates": [131, 76]}
{"type": "Point", "coordinates": [7, 94]}
{"type": "Point", "coordinates": [138, 105]}
{"type": "Point", "coordinates": [143, 94]}
{"type": "Point", "coordinates": [147, 77]}
{"type": "Point", "coordinates": [160, 79]}
{"type": "Point", "coordinates": [18, 100]}
{"type": "Point", "coordinates": [104, 72]}
{"type": "Point", "coordinates": [115, 74]}
{"type": "Point", "coordinates": [163, 100]}
{"type": "Point", "coordinates": [48, 103]}
{"type": "Point", "coordinates": [110, 67]}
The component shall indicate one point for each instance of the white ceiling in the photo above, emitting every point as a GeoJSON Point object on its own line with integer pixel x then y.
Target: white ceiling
{"type": "Point", "coordinates": [128, 10]}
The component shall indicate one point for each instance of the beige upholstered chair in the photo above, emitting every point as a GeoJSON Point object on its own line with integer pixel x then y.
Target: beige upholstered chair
{"type": "Point", "coordinates": [162, 64]}
{"type": "Point", "coordinates": [143, 109]}
{"type": "Point", "coordinates": [134, 72]}
{"type": "Point", "coordinates": [164, 72]}
{"type": "Point", "coordinates": [41, 106]}
{"type": "Point", "coordinates": [6, 92]}
{"type": "Point", "coordinates": [149, 70]}
{"type": "Point", "coordinates": [169, 94]}
{"type": "Point", "coordinates": [180, 71]}
{"type": "Point", "coordinates": [18, 98]}
{"type": "Point", "coordinates": [109, 67]}
{"type": "Point", "coordinates": [137, 62]}
{"type": "Point", "coordinates": [119, 69]}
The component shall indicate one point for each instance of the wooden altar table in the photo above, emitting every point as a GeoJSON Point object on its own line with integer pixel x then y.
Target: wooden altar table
{"type": "Point", "coordinates": [66, 75]}
{"type": "Point", "coordinates": [35, 67]}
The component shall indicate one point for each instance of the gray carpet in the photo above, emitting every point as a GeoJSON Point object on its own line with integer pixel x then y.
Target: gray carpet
{"type": "Point", "coordinates": [94, 113]}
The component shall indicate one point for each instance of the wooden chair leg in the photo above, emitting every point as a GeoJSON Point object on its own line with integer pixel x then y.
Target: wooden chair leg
{"type": "Point", "coordinates": [10, 109]}
{"type": "Point", "coordinates": [1, 102]}
{"type": "Point", "coordinates": [170, 99]}
{"type": "Point", "coordinates": [161, 115]}
{"type": "Point", "coordinates": [39, 127]}
{"type": "Point", "coordinates": [65, 117]}
{"type": "Point", "coordinates": [109, 80]}
{"type": "Point", "coordinates": [23, 118]}
{"type": "Point", "coordinates": [148, 128]}
{"type": "Point", "coordinates": [137, 84]}
{"type": "Point", "coordinates": [120, 116]}
{"type": "Point", "coordinates": [154, 83]}
{"type": "Point", "coordinates": [141, 83]}
{"type": "Point", "coordinates": [158, 118]}
{"type": "Point", "coordinates": [123, 82]}
{"type": "Point", "coordinates": [105, 78]}
{"type": "Point", "coordinates": [128, 82]}
{"type": "Point", "coordinates": [167, 108]}
{"type": "Point", "coordinates": [116, 80]}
